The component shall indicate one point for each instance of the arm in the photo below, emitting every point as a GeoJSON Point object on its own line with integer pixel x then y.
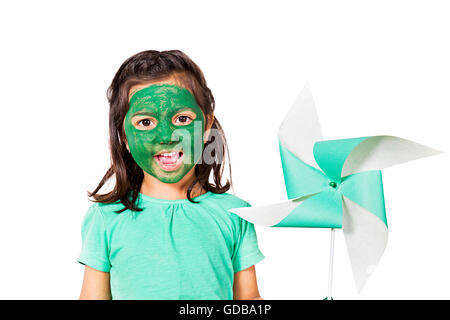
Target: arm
{"type": "Point", "coordinates": [95, 285]}
{"type": "Point", "coordinates": [245, 286]}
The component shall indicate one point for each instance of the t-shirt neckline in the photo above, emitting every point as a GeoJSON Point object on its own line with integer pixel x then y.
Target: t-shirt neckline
{"type": "Point", "coordinates": [176, 201]}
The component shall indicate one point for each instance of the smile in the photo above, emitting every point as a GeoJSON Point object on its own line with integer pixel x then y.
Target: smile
{"type": "Point", "coordinates": [169, 160]}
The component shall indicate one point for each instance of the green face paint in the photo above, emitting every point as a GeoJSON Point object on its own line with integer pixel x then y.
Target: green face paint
{"type": "Point", "coordinates": [163, 138]}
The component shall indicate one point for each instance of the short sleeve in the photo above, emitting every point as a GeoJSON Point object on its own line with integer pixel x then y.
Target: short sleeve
{"type": "Point", "coordinates": [94, 250]}
{"type": "Point", "coordinates": [246, 251]}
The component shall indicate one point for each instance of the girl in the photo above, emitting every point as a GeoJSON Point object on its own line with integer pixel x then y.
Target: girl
{"type": "Point", "coordinates": [164, 231]}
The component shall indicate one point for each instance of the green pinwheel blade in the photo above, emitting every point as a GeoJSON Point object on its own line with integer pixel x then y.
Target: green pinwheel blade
{"type": "Point", "coordinates": [323, 210]}
{"type": "Point", "coordinates": [330, 155]}
{"type": "Point", "coordinates": [300, 178]}
{"type": "Point", "coordinates": [366, 189]}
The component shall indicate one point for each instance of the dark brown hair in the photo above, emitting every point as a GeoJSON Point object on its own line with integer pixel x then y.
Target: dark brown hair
{"type": "Point", "coordinates": [152, 65]}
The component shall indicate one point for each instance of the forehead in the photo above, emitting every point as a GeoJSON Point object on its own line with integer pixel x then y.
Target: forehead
{"type": "Point", "coordinates": [167, 94]}
{"type": "Point", "coordinates": [143, 85]}
{"type": "Point", "coordinates": [169, 81]}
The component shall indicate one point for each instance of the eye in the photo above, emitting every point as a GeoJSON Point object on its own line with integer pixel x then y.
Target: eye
{"type": "Point", "coordinates": [144, 123]}
{"type": "Point", "coordinates": [183, 119]}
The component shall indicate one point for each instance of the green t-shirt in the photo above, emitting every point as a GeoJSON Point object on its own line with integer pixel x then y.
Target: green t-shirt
{"type": "Point", "coordinates": [173, 249]}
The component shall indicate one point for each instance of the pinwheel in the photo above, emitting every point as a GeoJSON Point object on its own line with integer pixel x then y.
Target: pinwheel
{"type": "Point", "coordinates": [335, 184]}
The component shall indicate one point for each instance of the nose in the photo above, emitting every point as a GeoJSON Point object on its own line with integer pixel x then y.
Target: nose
{"type": "Point", "coordinates": [165, 139]}
{"type": "Point", "coordinates": [165, 132]}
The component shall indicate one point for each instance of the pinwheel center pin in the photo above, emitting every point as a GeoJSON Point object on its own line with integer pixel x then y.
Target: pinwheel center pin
{"type": "Point", "coordinates": [333, 184]}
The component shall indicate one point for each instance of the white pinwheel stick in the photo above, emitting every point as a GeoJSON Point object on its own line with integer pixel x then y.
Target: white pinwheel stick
{"type": "Point", "coordinates": [330, 270]}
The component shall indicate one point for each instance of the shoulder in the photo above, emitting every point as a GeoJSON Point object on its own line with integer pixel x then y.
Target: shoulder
{"type": "Point", "coordinates": [104, 212]}
{"type": "Point", "coordinates": [223, 202]}
{"type": "Point", "coordinates": [108, 209]}
{"type": "Point", "coordinates": [228, 200]}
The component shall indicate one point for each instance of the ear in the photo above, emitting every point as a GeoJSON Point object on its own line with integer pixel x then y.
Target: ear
{"type": "Point", "coordinates": [126, 144]}
{"type": "Point", "coordinates": [124, 135]}
{"type": "Point", "coordinates": [210, 121]}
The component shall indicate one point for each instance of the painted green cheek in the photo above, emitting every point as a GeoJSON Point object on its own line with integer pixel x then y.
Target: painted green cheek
{"type": "Point", "coordinates": [164, 101]}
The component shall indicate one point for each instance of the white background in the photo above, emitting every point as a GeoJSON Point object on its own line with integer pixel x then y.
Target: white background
{"type": "Point", "coordinates": [375, 67]}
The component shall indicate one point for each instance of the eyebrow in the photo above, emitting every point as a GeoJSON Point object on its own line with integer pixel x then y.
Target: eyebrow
{"type": "Point", "coordinates": [153, 114]}
{"type": "Point", "coordinates": [144, 113]}
{"type": "Point", "coordinates": [184, 108]}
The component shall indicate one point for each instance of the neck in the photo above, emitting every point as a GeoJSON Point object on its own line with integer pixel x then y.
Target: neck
{"type": "Point", "coordinates": [154, 188]}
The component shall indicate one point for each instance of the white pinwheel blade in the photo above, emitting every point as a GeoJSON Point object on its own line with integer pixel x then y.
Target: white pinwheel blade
{"type": "Point", "coordinates": [366, 237]}
{"type": "Point", "coordinates": [269, 215]}
{"type": "Point", "coordinates": [300, 128]}
{"type": "Point", "coordinates": [379, 152]}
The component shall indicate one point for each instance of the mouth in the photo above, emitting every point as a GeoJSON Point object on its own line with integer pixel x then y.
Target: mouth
{"type": "Point", "coordinates": [169, 160]}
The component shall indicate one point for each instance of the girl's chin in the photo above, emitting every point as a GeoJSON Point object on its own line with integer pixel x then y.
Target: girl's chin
{"type": "Point", "coordinates": [170, 164]}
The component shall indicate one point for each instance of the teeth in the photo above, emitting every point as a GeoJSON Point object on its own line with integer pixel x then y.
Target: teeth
{"type": "Point", "coordinates": [168, 154]}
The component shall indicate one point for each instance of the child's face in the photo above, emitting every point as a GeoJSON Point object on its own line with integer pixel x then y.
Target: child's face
{"type": "Point", "coordinates": [164, 128]}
